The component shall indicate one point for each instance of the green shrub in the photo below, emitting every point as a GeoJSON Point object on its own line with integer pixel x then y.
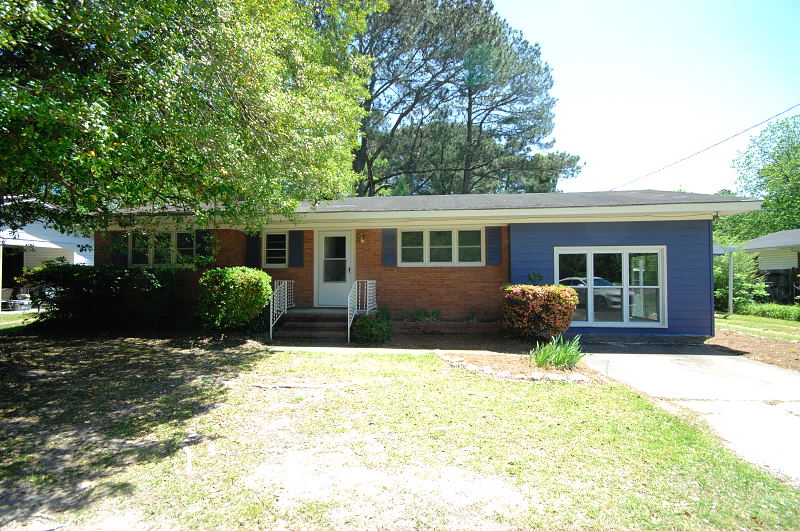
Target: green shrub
{"type": "Point", "coordinates": [421, 316]}
{"type": "Point", "coordinates": [538, 311]}
{"type": "Point", "coordinates": [558, 353]}
{"type": "Point", "coordinates": [771, 309]}
{"type": "Point", "coordinates": [105, 297]}
{"type": "Point", "coordinates": [231, 297]}
{"type": "Point", "coordinates": [372, 330]}
{"type": "Point", "coordinates": [748, 284]}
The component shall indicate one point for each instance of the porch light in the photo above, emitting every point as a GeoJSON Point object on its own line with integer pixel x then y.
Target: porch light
{"type": "Point", "coordinates": [361, 237]}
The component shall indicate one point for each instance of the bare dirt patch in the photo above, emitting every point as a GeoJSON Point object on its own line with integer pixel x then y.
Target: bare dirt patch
{"type": "Point", "coordinates": [784, 354]}
{"type": "Point", "coordinates": [398, 499]}
{"type": "Point", "coordinates": [517, 366]}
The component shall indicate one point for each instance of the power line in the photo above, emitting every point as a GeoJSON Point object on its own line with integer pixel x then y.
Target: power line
{"type": "Point", "coordinates": [705, 149]}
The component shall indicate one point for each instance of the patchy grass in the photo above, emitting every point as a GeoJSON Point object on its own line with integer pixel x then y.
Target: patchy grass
{"type": "Point", "coordinates": [160, 433]}
{"type": "Point", "coordinates": [760, 326]}
{"type": "Point", "coordinates": [15, 320]}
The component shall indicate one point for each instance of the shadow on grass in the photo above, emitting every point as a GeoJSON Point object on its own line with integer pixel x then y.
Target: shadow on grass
{"type": "Point", "coordinates": [74, 411]}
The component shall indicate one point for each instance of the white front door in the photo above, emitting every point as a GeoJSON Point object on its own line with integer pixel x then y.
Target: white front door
{"type": "Point", "coordinates": [334, 268]}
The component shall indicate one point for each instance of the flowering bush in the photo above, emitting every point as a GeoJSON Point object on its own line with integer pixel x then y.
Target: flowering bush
{"type": "Point", "coordinates": [232, 297]}
{"type": "Point", "coordinates": [538, 311]}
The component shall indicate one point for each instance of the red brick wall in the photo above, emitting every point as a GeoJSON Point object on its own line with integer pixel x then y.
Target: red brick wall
{"type": "Point", "coordinates": [303, 276]}
{"type": "Point", "coordinates": [102, 248]}
{"type": "Point", "coordinates": [455, 291]}
{"type": "Point", "coordinates": [230, 247]}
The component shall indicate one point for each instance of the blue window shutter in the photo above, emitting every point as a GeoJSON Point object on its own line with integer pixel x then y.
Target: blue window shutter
{"type": "Point", "coordinates": [119, 248]}
{"type": "Point", "coordinates": [296, 248]}
{"type": "Point", "coordinates": [389, 248]}
{"type": "Point", "coordinates": [252, 255]}
{"type": "Point", "coordinates": [203, 245]}
{"type": "Point", "coordinates": [494, 246]}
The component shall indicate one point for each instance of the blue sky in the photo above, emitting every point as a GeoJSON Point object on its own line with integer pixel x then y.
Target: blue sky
{"type": "Point", "coordinates": [641, 84]}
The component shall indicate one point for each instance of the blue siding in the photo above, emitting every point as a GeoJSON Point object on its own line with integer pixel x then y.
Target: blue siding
{"type": "Point", "coordinates": [689, 264]}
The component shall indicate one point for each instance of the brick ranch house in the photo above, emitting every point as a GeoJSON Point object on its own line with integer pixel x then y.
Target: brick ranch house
{"type": "Point", "coordinates": [641, 261]}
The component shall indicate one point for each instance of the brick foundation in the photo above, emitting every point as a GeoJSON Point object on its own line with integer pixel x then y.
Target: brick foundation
{"type": "Point", "coordinates": [446, 327]}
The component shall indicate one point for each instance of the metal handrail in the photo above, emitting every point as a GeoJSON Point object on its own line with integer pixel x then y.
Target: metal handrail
{"type": "Point", "coordinates": [361, 299]}
{"type": "Point", "coordinates": [278, 302]}
{"type": "Point", "coordinates": [352, 307]}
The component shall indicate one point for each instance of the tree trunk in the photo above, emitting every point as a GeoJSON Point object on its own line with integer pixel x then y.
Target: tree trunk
{"type": "Point", "coordinates": [466, 182]}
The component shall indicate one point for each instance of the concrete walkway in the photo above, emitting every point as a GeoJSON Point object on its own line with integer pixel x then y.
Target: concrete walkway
{"type": "Point", "coordinates": [755, 407]}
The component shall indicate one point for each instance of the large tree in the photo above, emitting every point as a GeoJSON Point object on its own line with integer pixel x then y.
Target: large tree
{"type": "Point", "coordinates": [768, 169]}
{"type": "Point", "coordinates": [454, 63]}
{"type": "Point", "coordinates": [232, 109]}
{"type": "Point", "coordinates": [430, 160]}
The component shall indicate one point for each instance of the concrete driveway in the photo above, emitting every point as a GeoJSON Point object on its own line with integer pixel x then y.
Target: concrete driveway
{"type": "Point", "coordinates": [755, 407]}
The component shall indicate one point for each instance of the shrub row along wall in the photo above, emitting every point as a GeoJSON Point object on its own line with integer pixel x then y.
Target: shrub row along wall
{"type": "Point", "coordinates": [457, 292]}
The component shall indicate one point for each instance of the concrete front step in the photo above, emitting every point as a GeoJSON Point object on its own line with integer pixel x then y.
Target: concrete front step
{"type": "Point", "coordinates": [313, 324]}
{"type": "Point", "coordinates": [339, 324]}
{"type": "Point", "coordinates": [310, 333]}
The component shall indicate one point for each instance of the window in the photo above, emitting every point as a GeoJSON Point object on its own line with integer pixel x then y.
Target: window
{"type": "Point", "coordinates": [412, 250]}
{"type": "Point", "coordinates": [469, 246]}
{"type": "Point", "coordinates": [615, 286]}
{"type": "Point", "coordinates": [161, 248]}
{"type": "Point", "coordinates": [185, 247]}
{"type": "Point", "coordinates": [441, 247]}
{"type": "Point", "coordinates": [276, 249]}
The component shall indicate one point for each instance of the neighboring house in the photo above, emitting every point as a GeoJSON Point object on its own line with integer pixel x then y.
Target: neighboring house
{"type": "Point", "coordinates": [641, 261]}
{"type": "Point", "coordinates": [778, 259]}
{"type": "Point", "coordinates": [34, 244]}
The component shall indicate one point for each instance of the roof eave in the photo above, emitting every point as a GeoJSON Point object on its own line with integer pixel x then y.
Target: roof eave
{"type": "Point", "coordinates": [711, 209]}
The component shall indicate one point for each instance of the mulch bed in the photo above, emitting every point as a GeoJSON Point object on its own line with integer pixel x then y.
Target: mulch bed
{"type": "Point", "coordinates": [784, 354]}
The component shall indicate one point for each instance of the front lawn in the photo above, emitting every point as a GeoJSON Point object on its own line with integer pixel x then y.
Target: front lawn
{"type": "Point", "coordinates": [170, 433]}
{"type": "Point", "coordinates": [760, 326]}
{"type": "Point", "coordinates": [15, 320]}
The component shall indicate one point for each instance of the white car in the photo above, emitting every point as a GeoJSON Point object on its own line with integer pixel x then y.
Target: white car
{"type": "Point", "coordinates": [602, 300]}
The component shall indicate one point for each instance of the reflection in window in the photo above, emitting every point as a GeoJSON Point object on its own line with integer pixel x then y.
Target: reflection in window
{"type": "Point", "coordinates": [411, 247]}
{"type": "Point", "coordinates": [140, 249]}
{"type": "Point", "coordinates": [469, 246]}
{"type": "Point", "coordinates": [276, 249]}
{"type": "Point", "coordinates": [441, 247]}
{"type": "Point", "coordinates": [162, 248]}
{"type": "Point", "coordinates": [614, 286]}
{"type": "Point", "coordinates": [184, 247]}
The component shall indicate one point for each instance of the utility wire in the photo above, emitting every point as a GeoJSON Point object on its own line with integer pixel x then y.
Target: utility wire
{"type": "Point", "coordinates": [705, 149]}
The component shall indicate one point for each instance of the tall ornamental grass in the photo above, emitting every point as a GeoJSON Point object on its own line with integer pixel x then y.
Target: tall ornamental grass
{"type": "Point", "coordinates": [558, 353]}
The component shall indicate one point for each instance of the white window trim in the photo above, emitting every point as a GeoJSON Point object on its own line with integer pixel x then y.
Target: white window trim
{"type": "Point", "coordinates": [173, 259]}
{"type": "Point", "coordinates": [264, 263]}
{"type": "Point", "coordinates": [426, 248]}
{"type": "Point", "coordinates": [625, 250]}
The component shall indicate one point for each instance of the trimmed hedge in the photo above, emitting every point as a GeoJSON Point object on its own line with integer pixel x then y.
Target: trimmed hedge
{"type": "Point", "coordinates": [231, 297]}
{"type": "Point", "coordinates": [372, 329]}
{"type": "Point", "coordinates": [105, 297]}
{"type": "Point", "coordinates": [538, 311]}
{"type": "Point", "coordinates": [771, 309]}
